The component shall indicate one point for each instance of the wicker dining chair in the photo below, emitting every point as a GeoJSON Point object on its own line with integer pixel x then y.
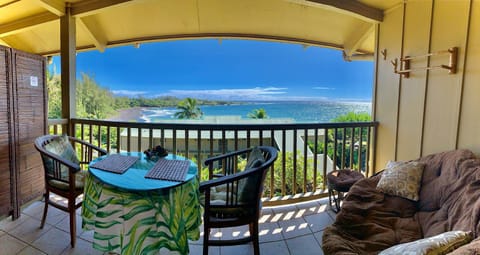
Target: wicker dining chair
{"type": "Point", "coordinates": [63, 173]}
{"type": "Point", "coordinates": [232, 197]}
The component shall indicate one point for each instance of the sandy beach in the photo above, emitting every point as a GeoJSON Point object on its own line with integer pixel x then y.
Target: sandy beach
{"type": "Point", "coordinates": [128, 114]}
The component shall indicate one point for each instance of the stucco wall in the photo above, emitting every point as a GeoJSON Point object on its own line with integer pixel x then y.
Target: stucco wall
{"type": "Point", "coordinates": [431, 111]}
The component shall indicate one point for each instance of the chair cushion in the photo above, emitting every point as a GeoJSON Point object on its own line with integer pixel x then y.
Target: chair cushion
{"type": "Point", "coordinates": [218, 198]}
{"type": "Point", "coordinates": [403, 180]}
{"type": "Point", "coordinates": [218, 195]}
{"type": "Point", "coordinates": [62, 147]}
{"type": "Point", "coordinates": [231, 212]}
{"type": "Point", "coordinates": [79, 181]}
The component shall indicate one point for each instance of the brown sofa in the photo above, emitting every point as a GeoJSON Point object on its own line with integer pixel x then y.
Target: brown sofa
{"type": "Point", "coordinates": [371, 221]}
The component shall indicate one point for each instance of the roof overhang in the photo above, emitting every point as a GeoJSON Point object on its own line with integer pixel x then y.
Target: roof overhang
{"type": "Point", "coordinates": [348, 25]}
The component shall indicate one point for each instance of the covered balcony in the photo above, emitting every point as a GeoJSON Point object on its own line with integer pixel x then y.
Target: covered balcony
{"type": "Point", "coordinates": [424, 98]}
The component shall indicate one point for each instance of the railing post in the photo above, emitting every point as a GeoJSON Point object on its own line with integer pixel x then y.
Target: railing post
{"type": "Point", "coordinates": [286, 137]}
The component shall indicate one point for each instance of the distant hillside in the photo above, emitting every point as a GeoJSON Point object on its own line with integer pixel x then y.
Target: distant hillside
{"type": "Point", "coordinates": [96, 102]}
{"type": "Point", "coordinates": [164, 101]}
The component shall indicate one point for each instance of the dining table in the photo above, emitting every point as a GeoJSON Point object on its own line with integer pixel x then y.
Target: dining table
{"type": "Point", "coordinates": [132, 214]}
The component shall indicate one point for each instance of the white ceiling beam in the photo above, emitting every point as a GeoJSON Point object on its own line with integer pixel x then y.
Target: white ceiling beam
{"type": "Point", "coordinates": [94, 32]}
{"type": "Point", "coordinates": [355, 40]}
{"type": "Point", "coordinates": [56, 7]}
{"type": "Point", "coordinates": [26, 23]}
{"type": "Point", "coordinates": [350, 7]}
{"type": "Point", "coordinates": [90, 7]}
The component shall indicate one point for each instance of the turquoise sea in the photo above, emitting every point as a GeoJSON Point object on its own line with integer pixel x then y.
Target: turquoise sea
{"type": "Point", "coordinates": [300, 112]}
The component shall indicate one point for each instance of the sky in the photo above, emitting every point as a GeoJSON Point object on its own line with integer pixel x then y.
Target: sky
{"type": "Point", "coordinates": [227, 69]}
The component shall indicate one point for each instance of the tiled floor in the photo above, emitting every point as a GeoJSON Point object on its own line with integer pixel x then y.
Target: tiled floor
{"type": "Point", "coordinates": [284, 230]}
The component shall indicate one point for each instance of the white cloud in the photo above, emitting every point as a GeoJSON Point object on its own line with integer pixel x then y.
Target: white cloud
{"type": "Point", "coordinates": [128, 93]}
{"type": "Point", "coordinates": [257, 93]}
{"type": "Point", "coordinates": [323, 88]}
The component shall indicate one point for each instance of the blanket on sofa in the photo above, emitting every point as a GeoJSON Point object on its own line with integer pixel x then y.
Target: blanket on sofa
{"type": "Point", "coordinates": [371, 221]}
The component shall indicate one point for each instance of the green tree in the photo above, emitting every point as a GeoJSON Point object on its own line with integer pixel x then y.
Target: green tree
{"type": "Point", "coordinates": [93, 101]}
{"type": "Point", "coordinates": [258, 114]}
{"type": "Point", "coordinates": [54, 96]}
{"type": "Point", "coordinates": [300, 177]}
{"type": "Point", "coordinates": [346, 134]}
{"type": "Point", "coordinates": [188, 109]}
{"type": "Point", "coordinates": [353, 117]}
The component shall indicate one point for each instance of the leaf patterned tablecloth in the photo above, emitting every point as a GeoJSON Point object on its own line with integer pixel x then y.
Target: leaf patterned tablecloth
{"type": "Point", "coordinates": [141, 222]}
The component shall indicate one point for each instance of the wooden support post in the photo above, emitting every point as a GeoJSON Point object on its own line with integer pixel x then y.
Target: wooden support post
{"type": "Point", "coordinates": [68, 61]}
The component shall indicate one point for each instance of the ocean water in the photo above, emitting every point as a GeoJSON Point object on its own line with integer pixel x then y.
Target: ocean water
{"type": "Point", "coordinates": [300, 112]}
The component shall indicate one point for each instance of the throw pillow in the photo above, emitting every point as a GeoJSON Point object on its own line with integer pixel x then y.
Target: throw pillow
{"type": "Point", "coordinates": [473, 248]}
{"type": "Point", "coordinates": [247, 187]}
{"type": "Point", "coordinates": [435, 245]}
{"type": "Point", "coordinates": [402, 180]}
{"type": "Point", "coordinates": [62, 147]}
{"type": "Point", "coordinates": [392, 163]}
{"type": "Point", "coordinates": [255, 158]}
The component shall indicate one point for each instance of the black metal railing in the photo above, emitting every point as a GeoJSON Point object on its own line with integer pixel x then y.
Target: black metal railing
{"type": "Point", "coordinates": [307, 151]}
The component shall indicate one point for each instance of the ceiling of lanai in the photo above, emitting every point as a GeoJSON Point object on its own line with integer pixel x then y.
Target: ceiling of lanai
{"type": "Point", "coordinates": [34, 25]}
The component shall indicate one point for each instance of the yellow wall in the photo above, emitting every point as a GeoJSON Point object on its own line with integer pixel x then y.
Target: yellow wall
{"type": "Point", "coordinates": [431, 111]}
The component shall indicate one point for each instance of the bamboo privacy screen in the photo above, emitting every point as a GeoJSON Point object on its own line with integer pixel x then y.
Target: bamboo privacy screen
{"type": "Point", "coordinates": [23, 117]}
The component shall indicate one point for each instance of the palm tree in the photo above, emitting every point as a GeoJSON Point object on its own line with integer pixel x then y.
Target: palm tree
{"type": "Point", "coordinates": [258, 114]}
{"type": "Point", "coordinates": [188, 109]}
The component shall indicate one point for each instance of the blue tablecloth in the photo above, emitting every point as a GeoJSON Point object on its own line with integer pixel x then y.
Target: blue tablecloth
{"type": "Point", "coordinates": [133, 179]}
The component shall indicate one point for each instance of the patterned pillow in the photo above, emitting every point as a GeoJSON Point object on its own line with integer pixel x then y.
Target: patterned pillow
{"type": "Point", "coordinates": [473, 248]}
{"type": "Point", "coordinates": [255, 158]}
{"type": "Point", "coordinates": [392, 163]}
{"type": "Point", "coordinates": [402, 180]}
{"type": "Point", "coordinates": [435, 245]}
{"type": "Point", "coordinates": [62, 147]}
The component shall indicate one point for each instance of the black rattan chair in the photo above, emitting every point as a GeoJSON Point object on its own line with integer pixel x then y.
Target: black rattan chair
{"type": "Point", "coordinates": [63, 173]}
{"type": "Point", "coordinates": [233, 198]}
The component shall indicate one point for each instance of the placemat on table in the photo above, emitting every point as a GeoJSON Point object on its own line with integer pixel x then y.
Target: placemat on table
{"type": "Point", "coordinates": [115, 163]}
{"type": "Point", "coordinates": [170, 170]}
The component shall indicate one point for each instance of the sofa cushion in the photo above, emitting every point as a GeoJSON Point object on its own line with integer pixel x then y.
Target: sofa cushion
{"type": "Point", "coordinates": [450, 193]}
{"type": "Point", "coordinates": [371, 221]}
{"type": "Point", "coordinates": [402, 180]}
{"type": "Point", "coordinates": [435, 245]}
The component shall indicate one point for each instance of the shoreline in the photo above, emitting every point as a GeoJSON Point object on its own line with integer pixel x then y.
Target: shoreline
{"type": "Point", "coordinates": [128, 114]}
{"type": "Point", "coordinates": [299, 112]}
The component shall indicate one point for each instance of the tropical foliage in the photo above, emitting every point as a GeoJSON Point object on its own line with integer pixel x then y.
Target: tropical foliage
{"type": "Point", "coordinates": [258, 114]}
{"type": "Point", "coordinates": [54, 96]}
{"type": "Point", "coordinates": [297, 178]}
{"type": "Point", "coordinates": [96, 102]}
{"type": "Point", "coordinates": [93, 101]}
{"type": "Point", "coordinates": [188, 109]}
{"type": "Point", "coordinates": [291, 171]}
{"type": "Point", "coordinates": [353, 117]}
{"type": "Point", "coordinates": [348, 150]}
